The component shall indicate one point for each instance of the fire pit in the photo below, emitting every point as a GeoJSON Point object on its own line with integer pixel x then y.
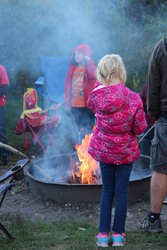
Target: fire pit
{"type": "Point", "coordinates": [49, 179]}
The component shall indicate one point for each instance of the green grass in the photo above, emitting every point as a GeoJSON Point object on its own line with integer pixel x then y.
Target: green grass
{"type": "Point", "coordinates": [14, 107]}
{"type": "Point", "coordinates": [40, 235]}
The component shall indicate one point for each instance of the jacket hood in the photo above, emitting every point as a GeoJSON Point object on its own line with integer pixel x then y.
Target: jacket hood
{"type": "Point", "coordinates": [164, 45]}
{"type": "Point", "coordinates": [85, 49]}
{"type": "Point", "coordinates": [110, 98]}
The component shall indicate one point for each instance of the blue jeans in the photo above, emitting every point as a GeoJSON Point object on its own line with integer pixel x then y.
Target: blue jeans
{"type": "Point", "coordinates": [3, 136]}
{"type": "Point", "coordinates": [115, 181]}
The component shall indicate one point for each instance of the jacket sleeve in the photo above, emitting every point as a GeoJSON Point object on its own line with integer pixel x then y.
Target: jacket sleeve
{"type": "Point", "coordinates": [90, 103]}
{"type": "Point", "coordinates": [139, 123]}
{"type": "Point", "coordinates": [68, 86]}
{"type": "Point", "coordinates": [91, 75]}
{"type": "Point", "coordinates": [143, 97]}
{"type": "Point", "coordinates": [153, 86]}
{"type": "Point", "coordinates": [3, 76]}
{"type": "Point", "coordinates": [91, 68]}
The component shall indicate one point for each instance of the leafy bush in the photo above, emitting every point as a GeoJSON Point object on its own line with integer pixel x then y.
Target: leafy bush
{"type": "Point", "coordinates": [35, 28]}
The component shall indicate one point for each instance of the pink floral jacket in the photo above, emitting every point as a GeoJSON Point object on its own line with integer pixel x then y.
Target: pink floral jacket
{"type": "Point", "coordinates": [120, 117]}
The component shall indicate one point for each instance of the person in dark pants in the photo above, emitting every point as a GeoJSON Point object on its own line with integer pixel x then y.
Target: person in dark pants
{"type": "Point", "coordinates": [156, 87]}
{"type": "Point", "coordinates": [145, 148]}
{"type": "Point", "coordinates": [120, 117]}
{"type": "Point", "coordinates": [4, 84]}
{"type": "Point", "coordinates": [79, 83]}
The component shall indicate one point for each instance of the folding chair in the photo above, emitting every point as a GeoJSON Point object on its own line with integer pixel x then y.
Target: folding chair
{"type": "Point", "coordinates": [54, 71]}
{"type": "Point", "coordinates": [5, 186]}
{"type": "Point", "coordinates": [39, 125]}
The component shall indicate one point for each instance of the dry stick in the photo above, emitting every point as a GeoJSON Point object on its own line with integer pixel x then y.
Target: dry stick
{"type": "Point", "coordinates": [11, 149]}
{"type": "Point", "coordinates": [43, 172]}
{"type": "Point", "coordinates": [146, 133]}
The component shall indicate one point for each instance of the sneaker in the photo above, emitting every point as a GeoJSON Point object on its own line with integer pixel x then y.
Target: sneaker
{"type": "Point", "coordinates": [165, 200]}
{"type": "Point", "coordinates": [146, 225]}
{"type": "Point", "coordinates": [5, 160]}
{"type": "Point", "coordinates": [103, 240]}
{"type": "Point", "coordinates": [118, 240]}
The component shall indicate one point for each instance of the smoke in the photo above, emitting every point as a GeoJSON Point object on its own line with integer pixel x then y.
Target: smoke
{"type": "Point", "coordinates": [52, 170]}
{"type": "Point", "coordinates": [30, 29]}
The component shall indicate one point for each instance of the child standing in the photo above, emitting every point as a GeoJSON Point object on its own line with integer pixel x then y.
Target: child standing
{"type": "Point", "coordinates": [79, 82]}
{"type": "Point", "coordinates": [120, 117]}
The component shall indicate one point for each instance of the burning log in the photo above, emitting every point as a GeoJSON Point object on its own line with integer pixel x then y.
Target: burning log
{"type": "Point", "coordinates": [87, 170]}
{"type": "Point", "coordinates": [75, 179]}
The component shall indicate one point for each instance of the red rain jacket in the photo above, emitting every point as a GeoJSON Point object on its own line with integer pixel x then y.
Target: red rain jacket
{"type": "Point", "coordinates": [89, 77]}
{"type": "Point", "coordinates": [3, 81]}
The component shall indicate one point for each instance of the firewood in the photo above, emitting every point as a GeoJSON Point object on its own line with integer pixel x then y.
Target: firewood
{"type": "Point", "coordinates": [11, 149]}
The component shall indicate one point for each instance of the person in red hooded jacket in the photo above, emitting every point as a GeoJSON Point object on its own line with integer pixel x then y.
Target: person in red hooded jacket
{"type": "Point", "coordinates": [79, 83]}
{"type": "Point", "coordinates": [4, 83]}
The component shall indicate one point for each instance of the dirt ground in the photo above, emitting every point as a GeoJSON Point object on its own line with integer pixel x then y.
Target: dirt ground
{"type": "Point", "coordinates": [20, 201]}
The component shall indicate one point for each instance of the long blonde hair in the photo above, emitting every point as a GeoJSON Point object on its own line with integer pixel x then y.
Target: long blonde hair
{"type": "Point", "coordinates": [111, 68]}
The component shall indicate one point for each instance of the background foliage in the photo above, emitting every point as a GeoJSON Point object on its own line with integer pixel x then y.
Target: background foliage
{"type": "Point", "coordinates": [30, 29]}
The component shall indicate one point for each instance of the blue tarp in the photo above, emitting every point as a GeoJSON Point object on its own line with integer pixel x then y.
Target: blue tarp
{"type": "Point", "coordinates": [55, 71]}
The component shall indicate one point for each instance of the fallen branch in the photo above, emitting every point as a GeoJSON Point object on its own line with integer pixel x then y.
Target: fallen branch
{"type": "Point", "coordinates": [11, 149]}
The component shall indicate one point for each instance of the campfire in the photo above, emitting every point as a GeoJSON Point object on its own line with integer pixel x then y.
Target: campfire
{"type": "Point", "coordinates": [54, 179]}
{"type": "Point", "coordinates": [87, 170]}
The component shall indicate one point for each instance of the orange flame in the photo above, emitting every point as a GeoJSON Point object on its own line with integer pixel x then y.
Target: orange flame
{"type": "Point", "coordinates": [88, 171]}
